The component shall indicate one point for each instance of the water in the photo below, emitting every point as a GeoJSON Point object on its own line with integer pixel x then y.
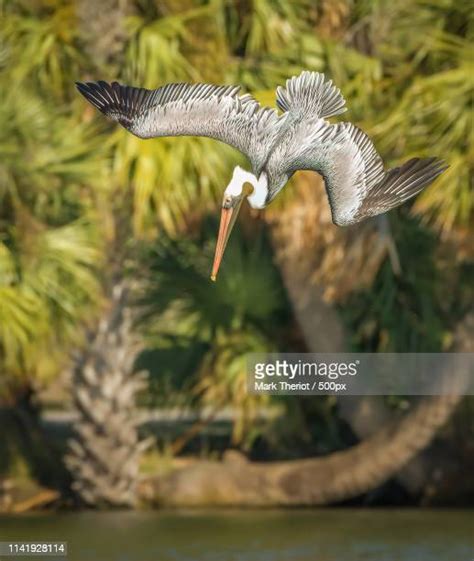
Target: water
{"type": "Point", "coordinates": [252, 535]}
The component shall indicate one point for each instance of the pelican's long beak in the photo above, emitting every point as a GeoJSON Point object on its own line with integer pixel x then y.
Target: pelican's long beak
{"type": "Point", "coordinates": [229, 213]}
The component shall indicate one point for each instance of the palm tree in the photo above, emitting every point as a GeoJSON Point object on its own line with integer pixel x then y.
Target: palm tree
{"type": "Point", "coordinates": [104, 456]}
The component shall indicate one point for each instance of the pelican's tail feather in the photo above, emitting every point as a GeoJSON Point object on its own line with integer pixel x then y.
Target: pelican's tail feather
{"type": "Point", "coordinates": [311, 95]}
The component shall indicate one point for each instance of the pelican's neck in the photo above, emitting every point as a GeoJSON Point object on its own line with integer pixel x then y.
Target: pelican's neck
{"type": "Point", "coordinates": [258, 197]}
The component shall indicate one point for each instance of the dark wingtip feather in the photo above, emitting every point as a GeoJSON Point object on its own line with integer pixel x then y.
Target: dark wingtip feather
{"type": "Point", "coordinates": [89, 91]}
{"type": "Point", "coordinates": [431, 168]}
{"type": "Point", "coordinates": [412, 179]}
{"type": "Point", "coordinates": [402, 183]}
{"type": "Point", "coordinates": [441, 165]}
{"type": "Point", "coordinates": [82, 88]}
{"type": "Point", "coordinates": [110, 99]}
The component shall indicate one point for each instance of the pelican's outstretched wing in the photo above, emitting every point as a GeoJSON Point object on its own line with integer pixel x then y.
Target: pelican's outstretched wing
{"type": "Point", "coordinates": [353, 171]}
{"type": "Point", "coordinates": [191, 110]}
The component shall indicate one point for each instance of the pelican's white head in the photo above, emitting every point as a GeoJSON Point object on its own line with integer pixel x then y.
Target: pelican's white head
{"type": "Point", "coordinates": [256, 196]}
{"type": "Point", "coordinates": [234, 196]}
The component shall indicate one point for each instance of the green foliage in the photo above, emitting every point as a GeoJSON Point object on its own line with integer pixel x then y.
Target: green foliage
{"type": "Point", "coordinates": [65, 174]}
{"type": "Point", "coordinates": [413, 93]}
{"type": "Point", "coordinates": [248, 293]}
{"type": "Point", "coordinates": [48, 242]}
{"type": "Point", "coordinates": [208, 328]}
{"type": "Point", "coordinates": [43, 37]}
{"type": "Point", "coordinates": [403, 313]}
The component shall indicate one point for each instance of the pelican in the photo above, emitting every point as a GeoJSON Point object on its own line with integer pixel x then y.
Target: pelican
{"type": "Point", "coordinates": [276, 145]}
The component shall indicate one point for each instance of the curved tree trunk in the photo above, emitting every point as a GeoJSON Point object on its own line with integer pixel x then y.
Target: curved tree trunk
{"type": "Point", "coordinates": [317, 481]}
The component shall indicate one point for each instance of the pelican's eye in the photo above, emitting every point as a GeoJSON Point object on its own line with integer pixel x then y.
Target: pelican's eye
{"type": "Point", "coordinates": [247, 189]}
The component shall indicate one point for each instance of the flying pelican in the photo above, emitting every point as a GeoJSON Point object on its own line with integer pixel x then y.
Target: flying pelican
{"type": "Point", "coordinates": [276, 145]}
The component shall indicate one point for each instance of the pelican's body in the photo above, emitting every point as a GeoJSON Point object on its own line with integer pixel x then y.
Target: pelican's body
{"type": "Point", "coordinates": [276, 145]}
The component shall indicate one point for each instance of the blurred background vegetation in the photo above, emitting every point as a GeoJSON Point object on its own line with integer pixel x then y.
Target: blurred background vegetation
{"type": "Point", "coordinates": [86, 207]}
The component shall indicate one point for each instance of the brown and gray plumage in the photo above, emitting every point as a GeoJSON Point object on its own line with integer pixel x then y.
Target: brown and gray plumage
{"type": "Point", "coordinates": [300, 138]}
